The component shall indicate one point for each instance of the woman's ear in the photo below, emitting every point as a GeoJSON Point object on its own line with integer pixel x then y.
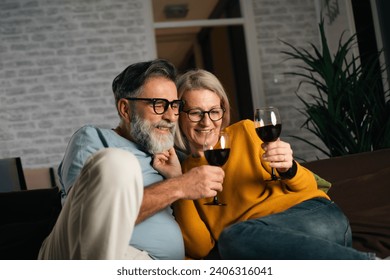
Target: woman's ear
{"type": "Point", "coordinates": [124, 110]}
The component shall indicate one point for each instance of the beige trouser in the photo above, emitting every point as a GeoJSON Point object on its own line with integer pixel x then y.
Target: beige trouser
{"type": "Point", "coordinates": [97, 219]}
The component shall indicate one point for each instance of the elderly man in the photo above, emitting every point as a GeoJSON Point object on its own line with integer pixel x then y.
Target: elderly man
{"type": "Point", "coordinates": [115, 204]}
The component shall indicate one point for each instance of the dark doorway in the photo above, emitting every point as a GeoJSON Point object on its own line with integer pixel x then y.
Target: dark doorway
{"type": "Point", "coordinates": [223, 52]}
{"type": "Point", "coordinates": [365, 30]}
{"type": "Point", "coordinates": [383, 9]}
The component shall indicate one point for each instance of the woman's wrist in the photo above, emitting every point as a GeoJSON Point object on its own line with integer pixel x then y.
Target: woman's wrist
{"type": "Point", "coordinates": [290, 173]}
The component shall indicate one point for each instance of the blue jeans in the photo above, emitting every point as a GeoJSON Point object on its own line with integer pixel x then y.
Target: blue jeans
{"type": "Point", "coordinates": [315, 229]}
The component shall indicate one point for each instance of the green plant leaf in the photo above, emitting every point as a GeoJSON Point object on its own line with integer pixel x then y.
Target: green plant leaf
{"type": "Point", "coordinates": [349, 110]}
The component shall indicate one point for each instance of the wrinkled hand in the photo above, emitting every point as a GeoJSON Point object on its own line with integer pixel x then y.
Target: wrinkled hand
{"type": "Point", "coordinates": [167, 163]}
{"type": "Point", "coordinates": [202, 182]}
{"type": "Point", "coordinates": [279, 154]}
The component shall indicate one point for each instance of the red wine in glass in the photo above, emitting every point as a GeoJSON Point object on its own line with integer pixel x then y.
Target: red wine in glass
{"type": "Point", "coordinates": [216, 150]}
{"type": "Point", "coordinates": [217, 157]}
{"type": "Point", "coordinates": [269, 133]}
{"type": "Point", "coordinates": [268, 127]}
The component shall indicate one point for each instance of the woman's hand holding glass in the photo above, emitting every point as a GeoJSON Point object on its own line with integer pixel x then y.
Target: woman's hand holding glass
{"type": "Point", "coordinates": [279, 154]}
{"type": "Point", "coordinates": [268, 127]}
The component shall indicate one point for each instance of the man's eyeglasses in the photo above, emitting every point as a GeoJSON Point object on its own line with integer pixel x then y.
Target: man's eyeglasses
{"type": "Point", "coordinates": [160, 105]}
{"type": "Point", "coordinates": [196, 115]}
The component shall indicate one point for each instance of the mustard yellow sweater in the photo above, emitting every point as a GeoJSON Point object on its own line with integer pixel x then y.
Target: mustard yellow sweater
{"type": "Point", "coordinates": [244, 191]}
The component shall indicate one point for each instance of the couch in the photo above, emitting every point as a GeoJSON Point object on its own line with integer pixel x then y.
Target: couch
{"type": "Point", "coordinates": [360, 186]}
{"type": "Point", "coordinates": [26, 218]}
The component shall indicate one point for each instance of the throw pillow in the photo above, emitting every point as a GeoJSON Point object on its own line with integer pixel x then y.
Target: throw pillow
{"type": "Point", "coordinates": [322, 183]}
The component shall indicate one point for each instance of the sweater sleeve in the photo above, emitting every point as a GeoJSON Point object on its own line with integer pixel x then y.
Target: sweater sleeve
{"type": "Point", "coordinates": [197, 238]}
{"type": "Point", "coordinates": [303, 179]}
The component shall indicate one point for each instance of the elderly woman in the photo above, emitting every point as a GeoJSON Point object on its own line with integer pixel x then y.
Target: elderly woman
{"type": "Point", "coordinates": [286, 219]}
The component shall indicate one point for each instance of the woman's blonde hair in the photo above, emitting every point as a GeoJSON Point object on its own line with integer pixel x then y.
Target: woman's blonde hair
{"type": "Point", "coordinates": [195, 80]}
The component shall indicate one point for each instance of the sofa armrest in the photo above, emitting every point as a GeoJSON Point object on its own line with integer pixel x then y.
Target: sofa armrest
{"type": "Point", "coordinates": [26, 218]}
{"type": "Point", "coordinates": [361, 188]}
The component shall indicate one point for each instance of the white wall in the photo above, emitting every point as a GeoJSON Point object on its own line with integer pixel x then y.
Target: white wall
{"type": "Point", "coordinates": [57, 62]}
{"type": "Point", "coordinates": [58, 59]}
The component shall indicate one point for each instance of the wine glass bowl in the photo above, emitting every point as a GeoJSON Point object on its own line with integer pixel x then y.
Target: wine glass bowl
{"type": "Point", "coordinates": [268, 127]}
{"type": "Point", "coordinates": [217, 154]}
{"type": "Point", "coordinates": [216, 150]}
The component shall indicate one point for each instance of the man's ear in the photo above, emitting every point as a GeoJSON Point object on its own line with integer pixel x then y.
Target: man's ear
{"type": "Point", "coordinates": [124, 110]}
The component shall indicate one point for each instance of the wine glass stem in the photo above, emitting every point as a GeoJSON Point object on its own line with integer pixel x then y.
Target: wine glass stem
{"type": "Point", "coordinates": [273, 176]}
{"type": "Point", "coordinates": [215, 200]}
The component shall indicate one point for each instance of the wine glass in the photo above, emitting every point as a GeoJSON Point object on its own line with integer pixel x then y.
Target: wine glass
{"type": "Point", "coordinates": [216, 150]}
{"type": "Point", "coordinates": [268, 127]}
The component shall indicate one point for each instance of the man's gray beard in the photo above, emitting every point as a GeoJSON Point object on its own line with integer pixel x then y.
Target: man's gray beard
{"type": "Point", "coordinates": [142, 132]}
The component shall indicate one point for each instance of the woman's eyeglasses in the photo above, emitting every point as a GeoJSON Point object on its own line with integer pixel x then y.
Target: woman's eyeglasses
{"type": "Point", "coordinates": [196, 115]}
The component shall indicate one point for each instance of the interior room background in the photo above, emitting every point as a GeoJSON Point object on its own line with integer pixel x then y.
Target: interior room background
{"type": "Point", "coordinates": [58, 59]}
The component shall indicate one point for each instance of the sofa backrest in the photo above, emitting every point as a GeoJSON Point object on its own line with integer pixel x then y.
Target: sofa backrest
{"type": "Point", "coordinates": [11, 175]}
{"type": "Point", "coordinates": [349, 166]}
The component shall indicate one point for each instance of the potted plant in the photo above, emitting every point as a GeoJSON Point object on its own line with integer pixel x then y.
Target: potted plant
{"type": "Point", "coordinates": [349, 110]}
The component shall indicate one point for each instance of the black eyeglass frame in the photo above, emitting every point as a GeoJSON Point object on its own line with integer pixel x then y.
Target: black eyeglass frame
{"type": "Point", "coordinates": [155, 100]}
{"type": "Point", "coordinates": [204, 113]}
